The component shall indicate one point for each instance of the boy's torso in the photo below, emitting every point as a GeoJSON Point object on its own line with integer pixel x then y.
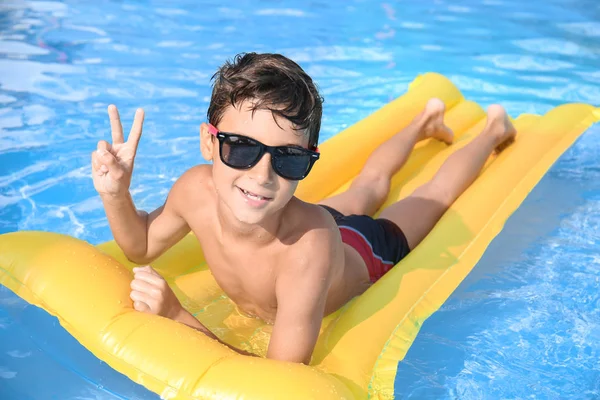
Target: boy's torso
{"type": "Point", "coordinates": [247, 272]}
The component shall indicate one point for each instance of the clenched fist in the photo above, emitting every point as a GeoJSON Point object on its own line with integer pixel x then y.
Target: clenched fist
{"type": "Point", "coordinates": [151, 294]}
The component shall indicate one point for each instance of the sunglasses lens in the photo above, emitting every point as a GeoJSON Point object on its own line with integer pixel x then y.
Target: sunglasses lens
{"type": "Point", "coordinates": [240, 152]}
{"type": "Point", "coordinates": [291, 163]}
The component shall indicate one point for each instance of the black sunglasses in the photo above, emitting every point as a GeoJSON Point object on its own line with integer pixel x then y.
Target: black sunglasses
{"type": "Point", "coordinates": [241, 152]}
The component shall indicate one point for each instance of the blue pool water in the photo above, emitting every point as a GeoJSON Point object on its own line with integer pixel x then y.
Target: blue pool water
{"type": "Point", "coordinates": [524, 324]}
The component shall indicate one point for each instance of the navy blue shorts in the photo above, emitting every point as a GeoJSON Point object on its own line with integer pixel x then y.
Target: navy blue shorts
{"type": "Point", "coordinates": [379, 241]}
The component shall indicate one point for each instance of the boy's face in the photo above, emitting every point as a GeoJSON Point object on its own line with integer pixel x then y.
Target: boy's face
{"type": "Point", "coordinates": [252, 194]}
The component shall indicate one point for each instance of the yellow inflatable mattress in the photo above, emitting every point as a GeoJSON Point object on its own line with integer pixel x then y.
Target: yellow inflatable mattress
{"type": "Point", "coordinates": [87, 287]}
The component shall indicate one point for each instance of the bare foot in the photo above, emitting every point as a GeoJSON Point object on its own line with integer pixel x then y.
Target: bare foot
{"type": "Point", "coordinates": [500, 127]}
{"type": "Point", "coordinates": [434, 127]}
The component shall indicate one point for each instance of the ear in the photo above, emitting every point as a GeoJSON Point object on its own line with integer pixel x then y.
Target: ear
{"type": "Point", "coordinates": [207, 142]}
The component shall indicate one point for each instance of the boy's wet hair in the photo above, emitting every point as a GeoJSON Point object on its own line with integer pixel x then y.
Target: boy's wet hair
{"type": "Point", "coordinates": [271, 82]}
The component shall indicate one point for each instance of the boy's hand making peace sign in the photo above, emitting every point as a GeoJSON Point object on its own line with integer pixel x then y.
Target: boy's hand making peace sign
{"type": "Point", "coordinates": [112, 163]}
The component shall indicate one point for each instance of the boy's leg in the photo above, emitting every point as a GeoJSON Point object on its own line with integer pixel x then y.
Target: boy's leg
{"type": "Point", "coordinates": [417, 214]}
{"type": "Point", "coordinates": [371, 187]}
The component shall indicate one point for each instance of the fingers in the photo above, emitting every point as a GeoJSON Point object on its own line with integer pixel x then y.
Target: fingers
{"type": "Point", "coordinates": [105, 161]}
{"type": "Point", "coordinates": [136, 129]}
{"type": "Point", "coordinates": [149, 288]}
{"type": "Point", "coordinates": [100, 160]}
{"type": "Point", "coordinates": [146, 268]}
{"type": "Point", "coordinates": [155, 281]}
{"type": "Point", "coordinates": [142, 301]}
{"type": "Point", "coordinates": [145, 295]}
{"type": "Point", "coordinates": [144, 287]}
{"type": "Point", "coordinates": [136, 295]}
{"type": "Point", "coordinates": [141, 306]}
{"type": "Point", "coordinates": [115, 125]}
{"type": "Point", "coordinates": [149, 275]}
{"type": "Point", "coordinates": [104, 146]}
{"type": "Point", "coordinates": [97, 167]}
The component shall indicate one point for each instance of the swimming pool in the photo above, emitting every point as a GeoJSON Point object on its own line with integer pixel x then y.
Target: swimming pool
{"type": "Point", "coordinates": [525, 322]}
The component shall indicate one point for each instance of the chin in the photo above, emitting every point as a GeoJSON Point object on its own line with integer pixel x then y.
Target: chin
{"type": "Point", "coordinates": [247, 215]}
{"type": "Point", "coordinates": [247, 219]}
{"type": "Point", "coordinates": [252, 217]}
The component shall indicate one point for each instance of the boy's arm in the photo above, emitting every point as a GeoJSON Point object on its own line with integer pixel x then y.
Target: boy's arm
{"type": "Point", "coordinates": [302, 291]}
{"type": "Point", "coordinates": [144, 236]}
{"type": "Point", "coordinates": [151, 294]}
{"type": "Point", "coordinates": [141, 236]}
{"type": "Point", "coordinates": [186, 318]}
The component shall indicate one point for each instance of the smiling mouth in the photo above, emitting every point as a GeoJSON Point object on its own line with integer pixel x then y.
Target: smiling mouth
{"type": "Point", "coordinates": [254, 196]}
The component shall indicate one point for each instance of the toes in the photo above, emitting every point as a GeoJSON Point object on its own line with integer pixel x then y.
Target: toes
{"type": "Point", "coordinates": [443, 133]}
{"type": "Point", "coordinates": [504, 145]}
{"type": "Point", "coordinates": [447, 135]}
{"type": "Point", "coordinates": [435, 106]}
{"type": "Point", "coordinates": [496, 112]}
{"type": "Point", "coordinates": [435, 127]}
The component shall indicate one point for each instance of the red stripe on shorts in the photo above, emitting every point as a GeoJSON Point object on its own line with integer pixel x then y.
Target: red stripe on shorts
{"type": "Point", "coordinates": [376, 266]}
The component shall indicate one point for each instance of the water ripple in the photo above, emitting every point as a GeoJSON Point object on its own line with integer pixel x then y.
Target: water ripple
{"type": "Point", "coordinates": [555, 46]}
{"type": "Point", "coordinates": [525, 62]}
{"type": "Point", "coordinates": [41, 79]}
{"type": "Point", "coordinates": [525, 326]}
{"type": "Point", "coordinates": [283, 12]}
{"type": "Point", "coordinates": [587, 29]}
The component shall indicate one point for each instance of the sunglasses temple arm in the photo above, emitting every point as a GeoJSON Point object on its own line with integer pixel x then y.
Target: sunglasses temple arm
{"type": "Point", "coordinates": [212, 130]}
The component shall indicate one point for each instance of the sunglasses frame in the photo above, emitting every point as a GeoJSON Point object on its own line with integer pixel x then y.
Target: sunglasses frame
{"type": "Point", "coordinates": [222, 136]}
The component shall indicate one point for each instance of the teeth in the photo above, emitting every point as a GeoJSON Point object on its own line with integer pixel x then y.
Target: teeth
{"type": "Point", "coordinates": [253, 196]}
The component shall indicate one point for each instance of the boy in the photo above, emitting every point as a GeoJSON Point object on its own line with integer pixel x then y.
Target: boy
{"type": "Point", "coordinates": [278, 258]}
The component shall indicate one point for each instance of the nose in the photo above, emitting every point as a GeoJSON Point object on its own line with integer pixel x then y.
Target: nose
{"type": "Point", "coordinates": [262, 172]}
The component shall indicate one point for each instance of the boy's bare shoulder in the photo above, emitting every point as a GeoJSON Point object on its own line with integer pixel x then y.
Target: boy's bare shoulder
{"type": "Point", "coordinates": [314, 231]}
{"type": "Point", "coordinates": [196, 177]}
{"type": "Point", "coordinates": [195, 183]}
{"type": "Point", "coordinates": [314, 256]}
